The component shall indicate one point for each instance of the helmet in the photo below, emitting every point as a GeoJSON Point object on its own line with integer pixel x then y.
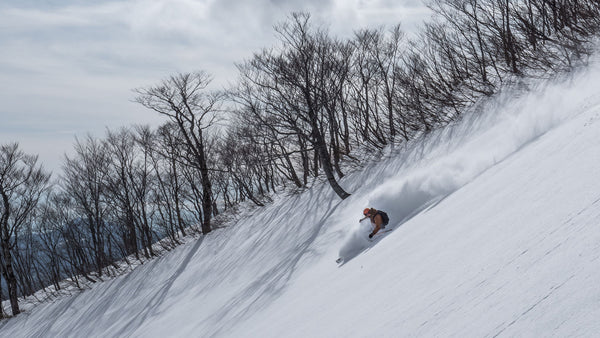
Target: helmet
{"type": "Point", "coordinates": [366, 211]}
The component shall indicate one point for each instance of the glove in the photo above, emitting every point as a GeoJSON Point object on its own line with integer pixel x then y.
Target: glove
{"type": "Point", "coordinates": [371, 235]}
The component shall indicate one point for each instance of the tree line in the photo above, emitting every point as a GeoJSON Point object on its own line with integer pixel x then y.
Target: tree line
{"type": "Point", "coordinates": [301, 110]}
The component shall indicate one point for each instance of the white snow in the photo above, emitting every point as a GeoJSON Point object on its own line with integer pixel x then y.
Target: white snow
{"type": "Point", "coordinates": [496, 232]}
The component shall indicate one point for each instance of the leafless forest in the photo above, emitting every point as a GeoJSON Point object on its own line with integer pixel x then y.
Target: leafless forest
{"type": "Point", "coordinates": [307, 108]}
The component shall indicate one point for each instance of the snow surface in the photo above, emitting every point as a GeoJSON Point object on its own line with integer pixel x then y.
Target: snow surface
{"type": "Point", "coordinates": [495, 232]}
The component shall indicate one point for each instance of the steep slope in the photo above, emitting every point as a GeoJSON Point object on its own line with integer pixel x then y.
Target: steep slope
{"type": "Point", "coordinates": [496, 232]}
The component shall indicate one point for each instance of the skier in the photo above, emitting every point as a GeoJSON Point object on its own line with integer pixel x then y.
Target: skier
{"type": "Point", "coordinates": [356, 242]}
{"type": "Point", "coordinates": [378, 218]}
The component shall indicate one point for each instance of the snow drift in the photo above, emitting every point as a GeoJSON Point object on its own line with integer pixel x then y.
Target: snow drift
{"type": "Point", "coordinates": [495, 233]}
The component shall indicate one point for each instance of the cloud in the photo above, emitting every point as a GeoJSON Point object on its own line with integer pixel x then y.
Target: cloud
{"type": "Point", "coordinates": [70, 65]}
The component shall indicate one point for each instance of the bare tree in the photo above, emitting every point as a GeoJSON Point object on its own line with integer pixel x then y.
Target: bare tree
{"type": "Point", "coordinates": [22, 183]}
{"type": "Point", "coordinates": [298, 84]}
{"type": "Point", "coordinates": [184, 100]}
{"type": "Point", "coordinates": [170, 193]}
{"type": "Point", "coordinates": [144, 181]}
{"type": "Point", "coordinates": [120, 188]}
{"type": "Point", "coordinates": [55, 213]}
{"type": "Point", "coordinates": [84, 181]}
{"type": "Point", "coordinates": [374, 81]}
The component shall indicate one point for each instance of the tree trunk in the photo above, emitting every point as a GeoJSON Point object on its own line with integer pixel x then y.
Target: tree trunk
{"type": "Point", "coordinates": [2, 315]}
{"type": "Point", "coordinates": [321, 149]}
{"type": "Point", "coordinates": [9, 274]}
{"type": "Point", "coordinates": [206, 190]}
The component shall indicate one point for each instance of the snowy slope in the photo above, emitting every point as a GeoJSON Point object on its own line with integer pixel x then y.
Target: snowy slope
{"type": "Point", "coordinates": [496, 232]}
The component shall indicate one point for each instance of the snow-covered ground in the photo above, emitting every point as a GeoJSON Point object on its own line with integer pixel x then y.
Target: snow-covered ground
{"type": "Point", "coordinates": [495, 232]}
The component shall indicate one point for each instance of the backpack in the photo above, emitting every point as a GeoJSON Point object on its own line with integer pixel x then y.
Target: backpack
{"type": "Point", "coordinates": [384, 217]}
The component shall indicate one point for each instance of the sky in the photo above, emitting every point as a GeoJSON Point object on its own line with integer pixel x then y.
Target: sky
{"type": "Point", "coordinates": [493, 233]}
{"type": "Point", "coordinates": [68, 67]}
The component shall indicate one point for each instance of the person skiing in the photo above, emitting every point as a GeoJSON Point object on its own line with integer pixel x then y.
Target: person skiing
{"type": "Point", "coordinates": [378, 218]}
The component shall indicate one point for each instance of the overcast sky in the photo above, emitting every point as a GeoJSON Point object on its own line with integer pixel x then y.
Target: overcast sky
{"type": "Point", "coordinates": [68, 67]}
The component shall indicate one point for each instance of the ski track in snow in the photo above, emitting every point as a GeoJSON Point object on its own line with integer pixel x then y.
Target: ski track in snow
{"type": "Point", "coordinates": [494, 232]}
